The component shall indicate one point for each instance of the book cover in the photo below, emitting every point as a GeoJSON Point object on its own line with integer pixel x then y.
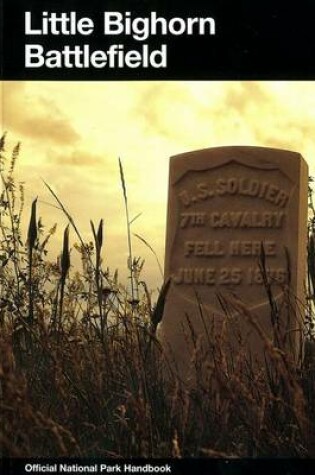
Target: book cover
{"type": "Point", "coordinates": [95, 99]}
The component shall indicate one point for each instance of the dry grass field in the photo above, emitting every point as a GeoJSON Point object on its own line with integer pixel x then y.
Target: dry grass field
{"type": "Point", "coordinates": [82, 372]}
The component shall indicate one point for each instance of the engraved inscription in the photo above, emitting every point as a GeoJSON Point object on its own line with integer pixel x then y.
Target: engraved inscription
{"type": "Point", "coordinates": [208, 276]}
{"type": "Point", "coordinates": [278, 275]}
{"type": "Point", "coordinates": [228, 276]}
{"type": "Point", "coordinates": [192, 219]}
{"type": "Point", "coordinates": [235, 186]}
{"type": "Point", "coordinates": [247, 219]}
{"type": "Point", "coordinates": [223, 221]}
{"type": "Point", "coordinates": [234, 248]}
{"type": "Point", "coordinates": [234, 219]}
{"type": "Point", "coordinates": [196, 275]}
{"type": "Point", "coordinates": [204, 248]}
{"type": "Point", "coordinates": [251, 248]}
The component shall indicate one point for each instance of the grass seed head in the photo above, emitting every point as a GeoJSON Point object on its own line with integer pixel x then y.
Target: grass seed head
{"type": "Point", "coordinates": [32, 230]}
{"type": "Point", "coordinates": [65, 258]}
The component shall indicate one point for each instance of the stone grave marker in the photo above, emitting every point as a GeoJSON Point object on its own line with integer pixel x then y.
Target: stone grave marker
{"type": "Point", "coordinates": [224, 203]}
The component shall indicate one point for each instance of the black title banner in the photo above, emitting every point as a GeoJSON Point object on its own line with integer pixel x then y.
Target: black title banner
{"type": "Point", "coordinates": [142, 40]}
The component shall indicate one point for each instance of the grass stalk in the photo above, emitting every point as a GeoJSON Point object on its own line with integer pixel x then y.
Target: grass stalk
{"type": "Point", "coordinates": [31, 237]}
{"type": "Point", "coordinates": [98, 240]}
{"type": "Point", "coordinates": [130, 257]}
{"type": "Point", "coordinates": [65, 266]}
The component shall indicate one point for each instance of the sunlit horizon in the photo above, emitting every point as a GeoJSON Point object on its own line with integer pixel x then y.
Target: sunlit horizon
{"type": "Point", "coordinates": [72, 134]}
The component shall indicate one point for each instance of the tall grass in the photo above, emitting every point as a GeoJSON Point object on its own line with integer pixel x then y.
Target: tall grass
{"type": "Point", "coordinates": [83, 373]}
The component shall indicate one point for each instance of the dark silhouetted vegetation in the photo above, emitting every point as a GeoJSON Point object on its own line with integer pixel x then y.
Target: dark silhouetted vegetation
{"type": "Point", "coordinates": [82, 372]}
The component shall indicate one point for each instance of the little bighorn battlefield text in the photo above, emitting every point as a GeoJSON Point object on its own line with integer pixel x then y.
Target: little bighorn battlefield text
{"type": "Point", "coordinates": [121, 26]}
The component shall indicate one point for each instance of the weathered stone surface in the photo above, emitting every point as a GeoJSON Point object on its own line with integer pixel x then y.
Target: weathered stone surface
{"type": "Point", "coordinates": [224, 203]}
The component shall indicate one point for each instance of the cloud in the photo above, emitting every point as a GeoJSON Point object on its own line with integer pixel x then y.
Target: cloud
{"type": "Point", "coordinates": [240, 97]}
{"type": "Point", "coordinates": [76, 157]}
{"type": "Point", "coordinates": [159, 104]}
{"type": "Point", "coordinates": [253, 113]}
{"type": "Point", "coordinates": [206, 113]}
{"type": "Point", "coordinates": [52, 129]}
{"type": "Point", "coordinates": [35, 117]}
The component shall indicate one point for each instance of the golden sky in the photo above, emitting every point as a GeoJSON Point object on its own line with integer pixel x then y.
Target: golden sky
{"type": "Point", "coordinates": [72, 134]}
